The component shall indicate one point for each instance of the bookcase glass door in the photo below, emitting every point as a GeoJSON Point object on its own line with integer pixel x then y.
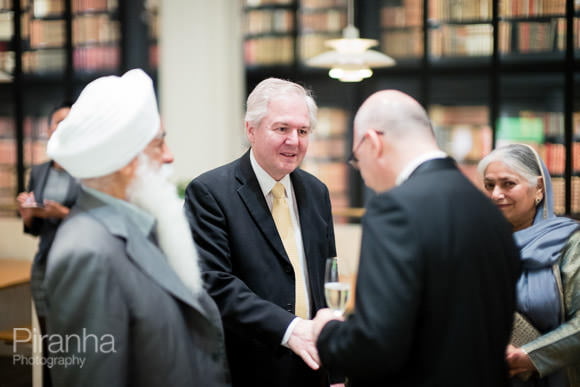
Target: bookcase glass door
{"type": "Point", "coordinates": [8, 181]}
{"type": "Point", "coordinates": [39, 101]}
{"type": "Point", "coordinates": [6, 37]}
{"type": "Point", "coordinates": [319, 21]}
{"type": "Point", "coordinates": [460, 117]}
{"type": "Point", "coordinates": [460, 28]}
{"type": "Point", "coordinates": [269, 32]}
{"type": "Point", "coordinates": [43, 34]}
{"type": "Point", "coordinates": [96, 36]}
{"type": "Point", "coordinates": [532, 112]}
{"type": "Point", "coordinates": [401, 24]}
{"type": "Point", "coordinates": [532, 29]}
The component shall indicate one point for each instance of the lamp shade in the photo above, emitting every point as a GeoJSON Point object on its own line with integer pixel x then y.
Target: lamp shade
{"type": "Point", "coordinates": [351, 60]}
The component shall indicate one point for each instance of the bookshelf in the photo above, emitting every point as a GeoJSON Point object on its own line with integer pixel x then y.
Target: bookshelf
{"type": "Point", "coordinates": [49, 50]}
{"type": "Point", "coordinates": [488, 71]}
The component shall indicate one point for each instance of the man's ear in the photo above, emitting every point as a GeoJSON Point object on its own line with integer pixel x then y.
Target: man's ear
{"type": "Point", "coordinates": [250, 132]}
{"type": "Point", "coordinates": [375, 142]}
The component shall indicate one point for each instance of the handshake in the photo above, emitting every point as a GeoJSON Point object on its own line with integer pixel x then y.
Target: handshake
{"type": "Point", "coordinates": [303, 339]}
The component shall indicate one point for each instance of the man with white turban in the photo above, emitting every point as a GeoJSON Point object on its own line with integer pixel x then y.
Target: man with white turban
{"type": "Point", "coordinates": [125, 301]}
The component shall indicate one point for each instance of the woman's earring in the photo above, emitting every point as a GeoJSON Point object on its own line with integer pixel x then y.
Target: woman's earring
{"type": "Point", "coordinates": [538, 200]}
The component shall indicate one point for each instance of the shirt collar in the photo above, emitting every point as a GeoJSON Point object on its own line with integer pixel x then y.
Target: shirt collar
{"type": "Point", "coordinates": [266, 181]}
{"type": "Point", "coordinates": [414, 164]}
{"type": "Point", "coordinates": [142, 219]}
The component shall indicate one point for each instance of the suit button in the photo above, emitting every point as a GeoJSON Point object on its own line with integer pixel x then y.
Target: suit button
{"type": "Point", "coordinates": [289, 308]}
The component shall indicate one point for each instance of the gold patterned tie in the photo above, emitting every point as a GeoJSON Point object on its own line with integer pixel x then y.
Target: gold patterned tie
{"type": "Point", "coordinates": [281, 215]}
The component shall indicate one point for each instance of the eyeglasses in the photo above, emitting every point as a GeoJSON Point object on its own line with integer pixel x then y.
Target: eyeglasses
{"type": "Point", "coordinates": [352, 160]}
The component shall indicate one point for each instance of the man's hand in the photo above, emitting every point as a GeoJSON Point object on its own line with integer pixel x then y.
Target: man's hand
{"type": "Point", "coordinates": [302, 343]}
{"type": "Point", "coordinates": [322, 317]}
{"type": "Point", "coordinates": [53, 209]}
{"type": "Point", "coordinates": [519, 362]}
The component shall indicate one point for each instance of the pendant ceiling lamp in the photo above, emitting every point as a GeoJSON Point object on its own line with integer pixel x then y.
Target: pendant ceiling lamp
{"type": "Point", "coordinates": [351, 60]}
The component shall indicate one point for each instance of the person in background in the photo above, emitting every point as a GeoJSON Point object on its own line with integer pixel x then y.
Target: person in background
{"type": "Point", "coordinates": [122, 276]}
{"type": "Point", "coordinates": [264, 230]}
{"type": "Point", "coordinates": [548, 290]}
{"type": "Point", "coordinates": [435, 290]}
{"type": "Point", "coordinates": [52, 191]}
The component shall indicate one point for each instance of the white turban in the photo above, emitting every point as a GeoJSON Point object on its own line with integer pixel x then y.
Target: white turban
{"type": "Point", "coordinates": [111, 122]}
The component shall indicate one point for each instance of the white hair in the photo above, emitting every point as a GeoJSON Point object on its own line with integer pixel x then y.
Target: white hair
{"type": "Point", "coordinates": [151, 191]}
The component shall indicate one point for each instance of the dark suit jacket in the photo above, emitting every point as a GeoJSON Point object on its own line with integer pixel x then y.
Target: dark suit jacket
{"type": "Point", "coordinates": [46, 228]}
{"type": "Point", "coordinates": [105, 278]}
{"type": "Point", "coordinates": [248, 272]}
{"type": "Point", "coordinates": [436, 288]}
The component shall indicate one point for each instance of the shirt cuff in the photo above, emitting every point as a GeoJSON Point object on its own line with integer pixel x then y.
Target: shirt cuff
{"type": "Point", "coordinates": [289, 331]}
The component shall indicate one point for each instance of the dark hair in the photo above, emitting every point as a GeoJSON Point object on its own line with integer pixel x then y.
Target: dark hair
{"type": "Point", "coordinates": [63, 104]}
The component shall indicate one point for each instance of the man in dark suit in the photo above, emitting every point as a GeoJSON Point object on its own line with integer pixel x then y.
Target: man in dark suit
{"type": "Point", "coordinates": [438, 267]}
{"type": "Point", "coordinates": [125, 300]}
{"type": "Point", "coordinates": [259, 280]}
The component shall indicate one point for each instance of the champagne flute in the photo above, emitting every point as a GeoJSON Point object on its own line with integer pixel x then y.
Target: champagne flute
{"type": "Point", "coordinates": [335, 291]}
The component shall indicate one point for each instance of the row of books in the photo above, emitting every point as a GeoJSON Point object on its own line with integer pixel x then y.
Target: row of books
{"type": "Point", "coordinates": [44, 61]}
{"type": "Point", "coordinates": [465, 143]}
{"type": "Point", "coordinates": [8, 181]}
{"type": "Point", "coordinates": [34, 152]}
{"type": "Point", "coordinates": [6, 62]}
{"type": "Point", "coordinates": [330, 20]}
{"type": "Point", "coordinates": [257, 3]}
{"type": "Point", "coordinates": [96, 58]}
{"type": "Point", "coordinates": [95, 28]}
{"type": "Point", "coordinates": [402, 44]}
{"type": "Point", "coordinates": [7, 127]}
{"type": "Point", "coordinates": [462, 40]}
{"type": "Point", "coordinates": [538, 36]}
{"type": "Point", "coordinates": [526, 8]}
{"type": "Point", "coordinates": [43, 8]}
{"type": "Point", "coordinates": [409, 13]}
{"type": "Point", "coordinates": [335, 175]}
{"type": "Point", "coordinates": [310, 45]}
{"type": "Point", "coordinates": [459, 115]}
{"type": "Point", "coordinates": [271, 50]}
{"type": "Point", "coordinates": [263, 21]}
{"type": "Point", "coordinates": [460, 10]}
{"type": "Point", "coordinates": [575, 197]}
{"type": "Point", "coordinates": [559, 195]}
{"type": "Point", "coordinates": [326, 153]}
{"type": "Point", "coordinates": [322, 3]}
{"type": "Point", "coordinates": [47, 33]}
{"type": "Point", "coordinates": [6, 26]}
{"type": "Point", "coordinates": [79, 6]}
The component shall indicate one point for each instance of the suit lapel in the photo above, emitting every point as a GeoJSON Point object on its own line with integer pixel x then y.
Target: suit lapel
{"type": "Point", "coordinates": [154, 264]}
{"type": "Point", "coordinates": [141, 251]}
{"type": "Point", "coordinates": [43, 171]}
{"type": "Point", "coordinates": [251, 195]}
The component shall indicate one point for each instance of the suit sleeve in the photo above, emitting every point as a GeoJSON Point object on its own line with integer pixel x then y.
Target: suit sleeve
{"type": "Point", "coordinates": [378, 336]}
{"type": "Point", "coordinates": [241, 309]}
{"type": "Point", "coordinates": [87, 307]}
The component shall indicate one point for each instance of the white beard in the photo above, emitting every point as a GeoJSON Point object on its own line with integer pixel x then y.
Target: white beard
{"type": "Point", "coordinates": [152, 192]}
